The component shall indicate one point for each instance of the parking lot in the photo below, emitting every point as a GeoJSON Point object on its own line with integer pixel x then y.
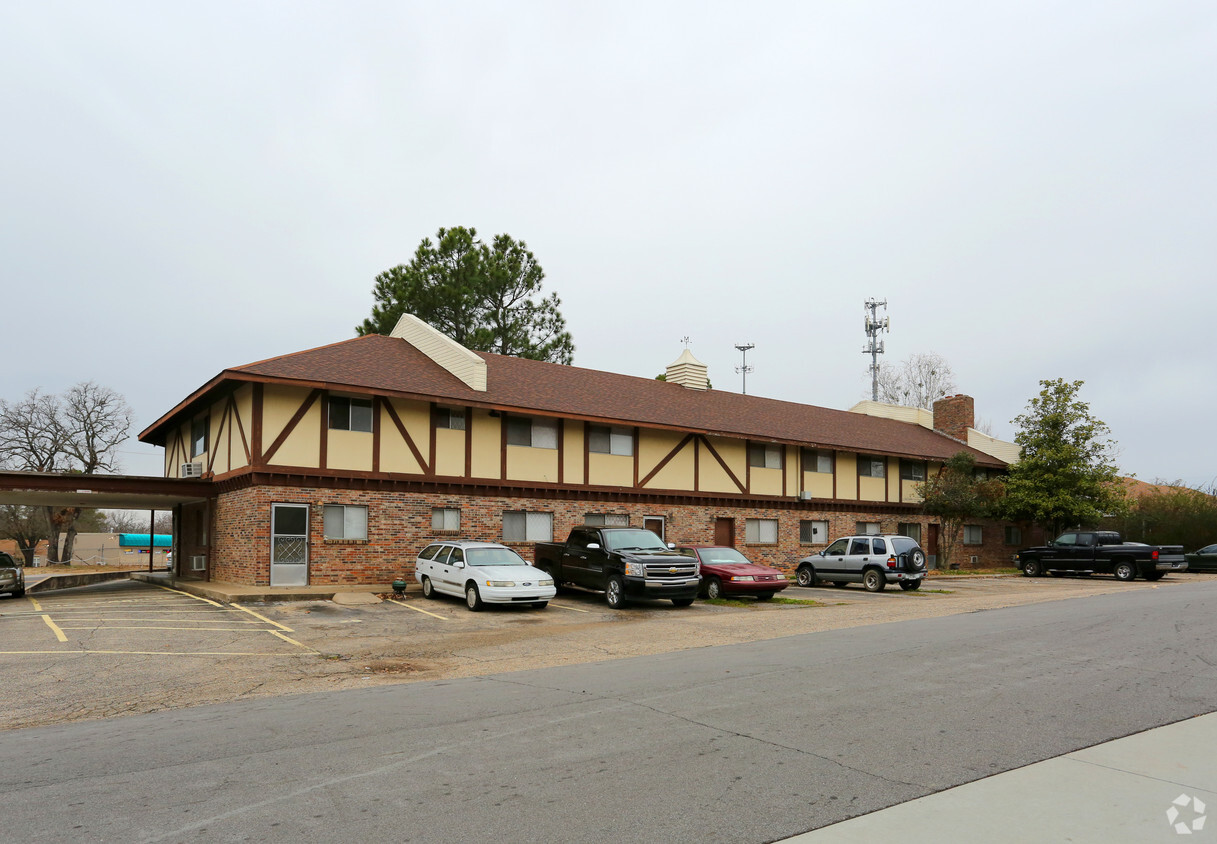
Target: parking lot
{"type": "Point", "coordinates": [126, 647]}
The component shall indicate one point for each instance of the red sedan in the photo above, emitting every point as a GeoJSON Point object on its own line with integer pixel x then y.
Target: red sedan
{"type": "Point", "coordinates": [725, 571]}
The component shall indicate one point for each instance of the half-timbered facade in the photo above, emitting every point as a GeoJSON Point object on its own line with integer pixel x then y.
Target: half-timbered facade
{"type": "Point", "coordinates": [337, 464]}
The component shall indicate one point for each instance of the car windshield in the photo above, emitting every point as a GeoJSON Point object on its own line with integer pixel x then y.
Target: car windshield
{"type": "Point", "coordinates": [633, 540]}
{"type": "Point", "coordinates": [722, 555]}
{"type": "Point", "coordinates": [493, 557]}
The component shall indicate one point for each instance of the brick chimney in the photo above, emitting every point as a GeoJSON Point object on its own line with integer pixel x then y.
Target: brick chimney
{"type": "Point", "coordinates": [954, 415]}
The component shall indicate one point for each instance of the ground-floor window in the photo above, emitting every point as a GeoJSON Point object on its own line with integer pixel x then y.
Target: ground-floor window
{"type": "Point", "coordinates": [911, 530]}
{"type": "Point", "coordinates": [607, 519]}
{"type": "Point", "coordinates": [1014, 535]}
{"type": "Point", "coordinates": [971, 535]}
{"type": "Point", "coordinates": [346, 521]}
{"type": "Point", "coordinates": [761, 531]}
{"type": "Point", "coordinates": [524, 526]}
{"type": "Point", "coordinates": [867, 528]}
{"type": "Point", "coordinates": [813, 532]}
{"type": "Point", "coordinates": [446, 519]}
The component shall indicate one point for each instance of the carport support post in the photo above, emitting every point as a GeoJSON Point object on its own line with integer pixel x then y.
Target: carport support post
{"type": "Point", "coordinates": [151, 538]}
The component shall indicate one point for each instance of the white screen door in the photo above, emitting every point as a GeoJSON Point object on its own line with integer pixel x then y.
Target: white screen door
{"type": "Point", "coordinates": [289, 545]}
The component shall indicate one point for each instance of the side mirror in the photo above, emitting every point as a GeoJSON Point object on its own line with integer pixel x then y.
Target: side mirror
{"type": "Point", "coordinates": [671, 546]}
{"type": "Point", "coordinates": [460, 564]}
{"type": "Point", "coordinates": [593, 546]}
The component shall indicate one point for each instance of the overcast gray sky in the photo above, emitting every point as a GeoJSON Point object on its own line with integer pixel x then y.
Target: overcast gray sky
{"type": "Point", "coordinates": [1031, 186]}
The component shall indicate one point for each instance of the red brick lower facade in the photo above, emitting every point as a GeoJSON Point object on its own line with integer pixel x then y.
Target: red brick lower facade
{"type": "Point", "coordinates": [399, 525]}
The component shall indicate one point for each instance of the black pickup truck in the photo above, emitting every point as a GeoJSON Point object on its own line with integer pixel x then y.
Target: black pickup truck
{"type": "Point", "coordinates": [624, 563]}
{"type": "Point", "coordinates": [1100, 552]}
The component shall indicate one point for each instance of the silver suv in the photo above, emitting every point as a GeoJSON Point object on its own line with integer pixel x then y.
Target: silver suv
{"type": "Point", "coordinates": [873, 561]}
{"type": "Point", "coordinates": [12, 576]}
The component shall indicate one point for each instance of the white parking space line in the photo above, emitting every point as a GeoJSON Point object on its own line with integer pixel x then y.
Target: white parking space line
{"type": "Point", "coordinates": [564, 607]}
{"type": "Point", "coordinates": [417, 609]}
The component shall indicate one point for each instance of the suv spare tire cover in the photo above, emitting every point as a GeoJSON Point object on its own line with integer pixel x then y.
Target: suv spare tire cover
{"type": "Point", "coordinates": [916, 559]}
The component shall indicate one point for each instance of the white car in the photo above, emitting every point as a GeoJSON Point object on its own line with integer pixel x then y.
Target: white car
{"type": "Point", "coordinates": [482, 572]}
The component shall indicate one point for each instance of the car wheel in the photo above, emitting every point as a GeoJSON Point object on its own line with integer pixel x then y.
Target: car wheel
{"type": "Point", "coordinates": [1125, 570]}
{"type": "Point", "coordinates": [765, 596]}
{"type": "Point", "coordinates": [1154, 575]}
{"type": "Point", "coordinates": [428, 589]}
{"type": "Point", "coordinates": [714, 589]}
{"type": "Point", "coordinates": [910, 585]}
{"type": "Point", "coordinates": [806, 576]}
{"type": "Point", "coordinates": [540, 605]}
{"type": "Point", "coordinates": [614, 593]}
{"type": "Point", "coordinates": [1032, 568]}
{"type": "Point", "coordinates": [874, 580]}
{"type": "Point", "coordinates": [917, 559]}
{"type": "Point", "coordinates": [682, 602]}
{"type": "Point", "coordinates": [473, 600]}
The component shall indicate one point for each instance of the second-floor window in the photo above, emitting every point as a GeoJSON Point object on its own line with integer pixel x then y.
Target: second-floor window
{"type": "Point", "coordinates": [871, 466]}
{"type": "Point", "coordinates": [198, 436]}
{"type": "Point", "coordinates": [912, 470]}
{"type": "Point", "coordinates": [452, 418]}
{"type": "Point", "coordinates": [348, 414]}
{"type": "Point", "coordinates": [817, 460]}
{"type": "Point", "coordinates": [601, 439]}
{"type": "Point", "coordinates": [535, 432]}
{"type": "Point", "coordinates": [765, 455]}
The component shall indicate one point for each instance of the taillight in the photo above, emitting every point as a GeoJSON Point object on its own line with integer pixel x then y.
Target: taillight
{"type": "Point", "coordinates": [1153, 555]}
{"type": "Point", "coordinates": [891, 562]}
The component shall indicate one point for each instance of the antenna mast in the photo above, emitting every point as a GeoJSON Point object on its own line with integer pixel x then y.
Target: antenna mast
{"type": "Point", "coordinates": [744, 368]}
{"type": "Point", "coordinates": [874, 346]}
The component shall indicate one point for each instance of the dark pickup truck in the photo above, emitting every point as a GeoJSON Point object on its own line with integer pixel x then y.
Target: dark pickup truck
{"type": "Point", "coordinates": [1100, 552]}
{"type": "Point", "coordinates": [624, 563]}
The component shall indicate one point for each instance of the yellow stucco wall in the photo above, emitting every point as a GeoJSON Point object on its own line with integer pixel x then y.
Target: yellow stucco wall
{"type": "Point", "coordinates": [487, 444]}
{"type": "Point", "coordinates": [765, 481]}
{"type": "Point", "coordinates": [572, 454]}
{"type": "Point", "coordinates": [819, 484]}
{"type": "Point", "coordinates": [450, 452]}
{"type": "Point", "coordinates": [349, 450]}
{"type": "Point", "coordinates": [611, 470]}
{"type": "Point", "coordinates": [653, 447]}
{"type": "Point", "coordinates": [847, 475]}
{"type": "Point", "coordinates": [872, 489]}
{"type": "Point", "coordinates": [525, 463]}
{"type": "Point", "coordinates": [712, 478]}
{"type": "Point", "coordinates": [395, 454]}
{"type": "Point", "coordinates": [303, 444]}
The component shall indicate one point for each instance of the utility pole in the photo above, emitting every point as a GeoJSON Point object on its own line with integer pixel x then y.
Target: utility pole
{"type": "Point", "coordinates": [874, 346]}
{"type": "Point", "coordinates": [744, 368]}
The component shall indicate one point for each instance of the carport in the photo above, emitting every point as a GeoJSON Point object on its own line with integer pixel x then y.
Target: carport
{"type": "Point", "coordinates": [115, 492]}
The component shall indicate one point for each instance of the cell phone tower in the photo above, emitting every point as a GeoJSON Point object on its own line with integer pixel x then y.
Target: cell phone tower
{"type": "Point", "coordinates": [874, 346]}
{"type": "Point", "coordinates": [743, 369]}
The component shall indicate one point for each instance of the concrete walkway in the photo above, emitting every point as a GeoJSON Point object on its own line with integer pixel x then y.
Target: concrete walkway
{"type": "Point", "coordinates": [1159, 785]}
{"type": "Point", "coordinates": [240, 592]}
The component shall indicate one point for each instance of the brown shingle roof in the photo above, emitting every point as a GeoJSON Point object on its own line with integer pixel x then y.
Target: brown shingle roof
{"type": "Point", "coordinates": [379, 364]}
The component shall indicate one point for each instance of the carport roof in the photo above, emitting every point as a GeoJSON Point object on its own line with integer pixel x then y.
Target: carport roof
{"type": "Point", "coordinates": [106, 492]}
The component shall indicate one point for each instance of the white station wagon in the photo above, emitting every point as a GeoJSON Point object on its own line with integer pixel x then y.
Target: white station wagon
{"type": "Point", "coordinates": [482, 572]}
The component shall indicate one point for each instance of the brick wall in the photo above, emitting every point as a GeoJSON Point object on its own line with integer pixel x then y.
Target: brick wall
{"type": "Point", "coordinates": [954, 415]}
{"type": "Point", "coordinates": [399, 526]}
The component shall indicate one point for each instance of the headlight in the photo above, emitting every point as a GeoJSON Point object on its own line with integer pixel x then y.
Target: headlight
{"type": "Point", "coordinates": [743, 577]}
{"type": "Point", "coordinates": [635, 570]}
{"type": "Point", "coordinates": [546, 582]}
{"type": "Point", "coordinates": [501, 583]}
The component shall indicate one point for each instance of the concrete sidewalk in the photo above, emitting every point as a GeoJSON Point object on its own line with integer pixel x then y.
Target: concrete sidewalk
{"type": "Point", "coordinates": [1158, 785]}
{"type": "Point", "coordinates": [239, 592]}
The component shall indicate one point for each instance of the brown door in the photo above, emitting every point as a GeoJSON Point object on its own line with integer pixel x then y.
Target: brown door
{"type": "Point", "coordinates": [724, 532]}
{"type": "Point", "coordinates": [655, 524]}
{"type": "Point", "coordinates": [931, 545]}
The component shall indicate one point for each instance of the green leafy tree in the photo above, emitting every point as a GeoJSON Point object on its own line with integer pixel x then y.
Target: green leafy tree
{"type": "Point", "coordinates": [487, 297]}
{"type": "Point", "coordinates": [1171, 515]}
{"type": "Point", "coordinates": [1065, 474]}
{"type": "Point", "coordinates": [956, 495]}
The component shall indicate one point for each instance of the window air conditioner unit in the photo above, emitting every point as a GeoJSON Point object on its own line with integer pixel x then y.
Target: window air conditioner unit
{"type": "Point", "coordinates": [974, 560]}
{"type": "Point", "coordinates": [198, 562]}
{"type": "Point", "coordinates": [192, 470]}
{"type": "Point", "coordinates": [804, 496]}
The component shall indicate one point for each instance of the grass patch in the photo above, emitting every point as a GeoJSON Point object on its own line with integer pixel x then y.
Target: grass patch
{"type": "Point", "coordinates": [748, 602]}
{"type": "Point", "coordinates": [970, 572]}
